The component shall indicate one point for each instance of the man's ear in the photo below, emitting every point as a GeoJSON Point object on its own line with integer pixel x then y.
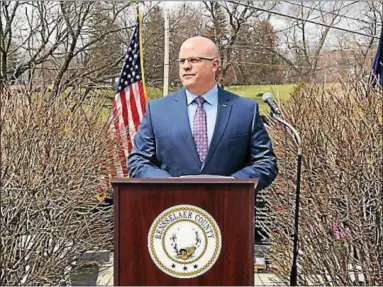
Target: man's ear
{"type": "Point", "coordinates": [216, 65]}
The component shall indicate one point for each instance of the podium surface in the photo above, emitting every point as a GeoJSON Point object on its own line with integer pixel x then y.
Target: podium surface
{"type": "Point", "coordinates": [183, 231]}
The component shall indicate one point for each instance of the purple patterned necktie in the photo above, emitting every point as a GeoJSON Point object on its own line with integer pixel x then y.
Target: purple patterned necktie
{"type": "Point", "coordinates": [200, 129]}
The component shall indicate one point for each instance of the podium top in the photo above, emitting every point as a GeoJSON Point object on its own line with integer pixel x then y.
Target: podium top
{"type": "Point", "coordinates": [185, 180]}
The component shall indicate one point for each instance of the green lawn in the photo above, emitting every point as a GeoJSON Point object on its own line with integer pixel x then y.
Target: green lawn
{"type": "Point", "coordinates": [281, 93]}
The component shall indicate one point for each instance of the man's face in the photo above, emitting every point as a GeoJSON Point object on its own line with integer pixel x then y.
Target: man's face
{"type": "Point", "coordinates": [197, 68]}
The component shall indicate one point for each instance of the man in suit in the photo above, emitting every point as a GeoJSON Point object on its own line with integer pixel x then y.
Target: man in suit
{"type": "Point", "coordinates": [202, 129]}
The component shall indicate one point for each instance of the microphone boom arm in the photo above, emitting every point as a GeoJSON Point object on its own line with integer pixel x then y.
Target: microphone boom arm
{"type": "Point", "coordinates": [297, 138]}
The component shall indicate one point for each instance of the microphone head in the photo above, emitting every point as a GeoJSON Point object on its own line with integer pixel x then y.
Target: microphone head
{"type": "Point", "coordinates": [267, 96]}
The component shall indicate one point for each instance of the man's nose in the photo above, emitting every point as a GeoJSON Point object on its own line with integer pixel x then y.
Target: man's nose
{"type": "Point", "coordinates": [186, 65]}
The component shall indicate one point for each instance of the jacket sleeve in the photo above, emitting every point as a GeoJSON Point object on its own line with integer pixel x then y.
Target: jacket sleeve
{"type": "Point", "coordinates": [142, 162]}
{"type": "Point", "coordinates": [262, 161]}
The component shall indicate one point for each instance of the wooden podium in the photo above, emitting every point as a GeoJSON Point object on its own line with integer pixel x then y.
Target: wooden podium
{"type": "Point", "coordinates": [138, 203]}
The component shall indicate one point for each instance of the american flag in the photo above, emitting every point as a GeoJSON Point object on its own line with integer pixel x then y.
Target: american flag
{"type": "Point", "coordinates": [129, 102]}
{"type": "Point", "coordinates": [377, 66]}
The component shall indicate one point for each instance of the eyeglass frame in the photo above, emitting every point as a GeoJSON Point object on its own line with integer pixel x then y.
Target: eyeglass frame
{"type": "Point", "coordinates": [199, 60]}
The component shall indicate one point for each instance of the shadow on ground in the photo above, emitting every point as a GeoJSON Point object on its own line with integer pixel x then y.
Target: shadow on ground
{"type": "Point", "coordinates": [85, 276]}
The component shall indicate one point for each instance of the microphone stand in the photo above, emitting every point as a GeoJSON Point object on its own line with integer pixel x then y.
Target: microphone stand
{"type": "Point", "coordinates": [298, 141]}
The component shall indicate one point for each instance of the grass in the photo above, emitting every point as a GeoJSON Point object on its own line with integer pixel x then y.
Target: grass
{"type": "Point", "coordinates": [281, 93]}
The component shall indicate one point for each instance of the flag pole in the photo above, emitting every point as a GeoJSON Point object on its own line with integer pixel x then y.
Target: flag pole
{"type": "Point", "coordinates": [141, 47]}
{"type": "Point", "coordinates": [166, 54]}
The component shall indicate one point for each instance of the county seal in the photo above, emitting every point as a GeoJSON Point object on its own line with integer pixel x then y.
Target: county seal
{"type": "Point", "coordinates": [184, 241]}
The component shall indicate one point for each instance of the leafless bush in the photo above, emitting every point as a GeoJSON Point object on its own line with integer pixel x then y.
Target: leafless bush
{"type": "Point", "coordinates": [52, 158]}
{"type": "Point", "coordinates": [341, 215]}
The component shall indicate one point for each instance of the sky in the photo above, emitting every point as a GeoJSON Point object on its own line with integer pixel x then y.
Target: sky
{"type": "Point", "coordinates": [281, 23]}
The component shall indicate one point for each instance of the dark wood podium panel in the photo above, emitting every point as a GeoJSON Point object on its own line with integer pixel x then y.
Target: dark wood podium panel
{"type": "Point", "coordinates": [138, 202]}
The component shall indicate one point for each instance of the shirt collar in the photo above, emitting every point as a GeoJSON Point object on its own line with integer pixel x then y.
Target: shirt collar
{"type": "Point", "coordinates": [210, 97]}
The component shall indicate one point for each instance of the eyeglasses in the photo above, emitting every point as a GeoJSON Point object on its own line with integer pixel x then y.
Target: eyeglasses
{"type": "Point", "coordinates": [194, 60]}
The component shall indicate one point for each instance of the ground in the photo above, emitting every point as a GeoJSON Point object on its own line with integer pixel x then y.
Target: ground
{"type": "Point", "coordinates": [103, 276]}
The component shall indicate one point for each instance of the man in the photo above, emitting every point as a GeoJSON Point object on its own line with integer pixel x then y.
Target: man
{"type": "Point", "coordinates": [202, 129]}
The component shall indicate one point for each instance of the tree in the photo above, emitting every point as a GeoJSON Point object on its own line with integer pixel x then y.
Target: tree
{"type": "Point", "coordinates": [153, 43]}
{"type": "Point", "coordinates": [31, 32]}
{"type": "Point", "coordinates": [358, 52]}
{"type": "Point", "coordinates": [186, 21]}
{"type": "Point", "coordinates": [100, 61]}
{"type": "Point", "coordinates": [253, 64]}
{"type": "Point", "coordinates": [230, 21]}
{"type": "Point", "coordinates": [60, 37]}
{"type": "Point", "coordinates": [306, 41]}
{"type": "Point", "coordinates": [7, 63]}
{"type": "Point", "coordinates": [13, 60]}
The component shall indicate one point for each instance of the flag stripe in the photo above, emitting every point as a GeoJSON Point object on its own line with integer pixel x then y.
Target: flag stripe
{"type": "Point", "coordinates": [133, 106]}
{"type": "Point", "coordinates": [142, 99]}
{"type": "Point", "coordinates": [136, 92]}
{"type": "Point", "coordinates": [122, 122]}
{"type": "Point", "coordinates": [123, 111]}
{"type": "Point", "coordinates": [130, 126]}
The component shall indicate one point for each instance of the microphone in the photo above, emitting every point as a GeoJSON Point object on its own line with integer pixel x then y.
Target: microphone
{"type": "Point", "coordinates": [268, 99]}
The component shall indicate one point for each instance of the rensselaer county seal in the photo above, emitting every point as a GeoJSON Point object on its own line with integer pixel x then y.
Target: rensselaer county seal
{"type": "Point", "coordinates": [184, 241]}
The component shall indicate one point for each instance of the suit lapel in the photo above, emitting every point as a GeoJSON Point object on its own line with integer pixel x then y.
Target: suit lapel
{"type": "Point", "coordinates": [182, 121]}
{"type": "Point", "coordinates": [223, 114]}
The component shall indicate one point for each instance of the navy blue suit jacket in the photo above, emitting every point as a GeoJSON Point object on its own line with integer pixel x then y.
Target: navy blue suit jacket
{"type": "Point", "coordinates": [240, 146]}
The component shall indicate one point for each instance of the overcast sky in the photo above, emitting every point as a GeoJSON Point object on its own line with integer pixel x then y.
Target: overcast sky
{"type": "Point", "coordinates": [281, 22]}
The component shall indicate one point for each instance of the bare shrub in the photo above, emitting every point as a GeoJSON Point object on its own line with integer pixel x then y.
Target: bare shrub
{"type": "Point", "coordinates": [52, 158]}
{"type": "Point", "coordinates": [341, 215]}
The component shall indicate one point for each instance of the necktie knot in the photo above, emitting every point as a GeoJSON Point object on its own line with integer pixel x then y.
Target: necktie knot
{"type": "Point", "coordinates": [199, 101]}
